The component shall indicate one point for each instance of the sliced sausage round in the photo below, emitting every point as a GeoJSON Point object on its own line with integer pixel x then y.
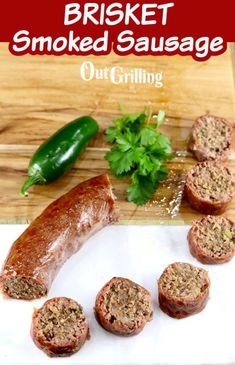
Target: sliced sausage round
{"type": "Point", "coordinates": [123, 307]}
{"type": "Point", "coordinates": [183, 290]}
{"type": "Point", "coordinates": [59, 327]}
{"type": "Point", "coordinates": [212, 239]}
{"type": "Point", "coordinates": [212, 138]}
{"type": "Point", "coordinates": [209, 187]}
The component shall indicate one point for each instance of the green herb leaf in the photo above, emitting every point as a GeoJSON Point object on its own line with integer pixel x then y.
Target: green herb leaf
{"type": "Point", "coordinates": [139, 152]}
{"type": "Point", "coordinates": [123, 143]}
{"type": "Point", "coordinates": [148, 136]}
{"type": "Point", "coordinates": [141, 189]}
{"type": "Point", "coordinates": [111, 134]}
{"type": "Point", "coordinates": [145, 165]}
{"type": "Point", "coordinates": [162, 141]}
{"type": "Point", "coordinates": [120, 162]}
{"type": "Point", "coordinates": [131, 122]}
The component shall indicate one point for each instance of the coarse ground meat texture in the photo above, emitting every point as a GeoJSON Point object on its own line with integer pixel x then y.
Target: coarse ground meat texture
{"type": "Point", "coordinates": [59, 327]}
{"type": "Point", "coordinates": [212, 240]}
{"type": "Point", "coordinates": [60, 231]}
{"type": "Point", "coordinates": [211, 139]}
{"type": "Point", "coordinates": [209, 187]}
{"type": "Point", "coordinates": [183, 290]}
{"type": "Point", "coordinates": [123, 307]}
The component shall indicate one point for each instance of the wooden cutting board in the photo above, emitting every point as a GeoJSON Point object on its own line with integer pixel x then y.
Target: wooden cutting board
{"type": "Point", "coordinates": [39, 94]}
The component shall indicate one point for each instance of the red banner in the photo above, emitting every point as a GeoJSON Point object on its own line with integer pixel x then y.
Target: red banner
{"type": "Point", "coordinates": [199, 28]}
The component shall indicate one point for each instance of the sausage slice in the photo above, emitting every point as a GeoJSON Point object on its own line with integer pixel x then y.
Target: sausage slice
{"type": "Point", "coordinates": [212, 240]}
{"type": "Point", "coordinates": [209, 187]}
{"type": "Point", "coordinates": [60, 327]}
{"type": "Point", "coordinates": [37, 255]}
{"type": "Point", "coordinates": [123, 307]}
{"type": "Point", "coordinates": [183, 290]}
{"type": "Point", "coordinates": [212, 138]}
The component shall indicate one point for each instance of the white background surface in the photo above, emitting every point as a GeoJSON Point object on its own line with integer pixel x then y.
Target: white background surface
{"type": "Point", "coordinates": [139, 253]}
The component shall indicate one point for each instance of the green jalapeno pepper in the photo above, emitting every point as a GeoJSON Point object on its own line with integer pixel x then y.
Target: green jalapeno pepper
{"type": "Point", "coordinates": [59, 152]}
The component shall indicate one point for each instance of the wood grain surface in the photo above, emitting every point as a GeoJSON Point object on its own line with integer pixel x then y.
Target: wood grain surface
{"type": "Point", "coordinates": [39, 94]}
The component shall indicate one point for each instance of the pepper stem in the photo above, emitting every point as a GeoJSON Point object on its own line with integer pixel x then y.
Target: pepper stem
{"type": "Point", "coordinates": [31, 180]}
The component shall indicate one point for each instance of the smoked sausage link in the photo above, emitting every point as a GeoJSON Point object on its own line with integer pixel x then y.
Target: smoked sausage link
{"type": "Point", "coordinates": [38, 254]}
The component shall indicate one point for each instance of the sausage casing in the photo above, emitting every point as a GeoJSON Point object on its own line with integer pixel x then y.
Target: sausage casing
{"type": "Point", "coordinates": [37, 255]}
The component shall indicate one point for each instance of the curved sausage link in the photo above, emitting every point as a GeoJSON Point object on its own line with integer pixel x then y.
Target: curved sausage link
{"type": "Point", "coordinates": [37, 255]}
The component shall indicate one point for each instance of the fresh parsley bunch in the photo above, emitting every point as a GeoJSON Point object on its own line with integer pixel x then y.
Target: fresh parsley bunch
{"type": "Point", "coordinates": [140, 153]}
